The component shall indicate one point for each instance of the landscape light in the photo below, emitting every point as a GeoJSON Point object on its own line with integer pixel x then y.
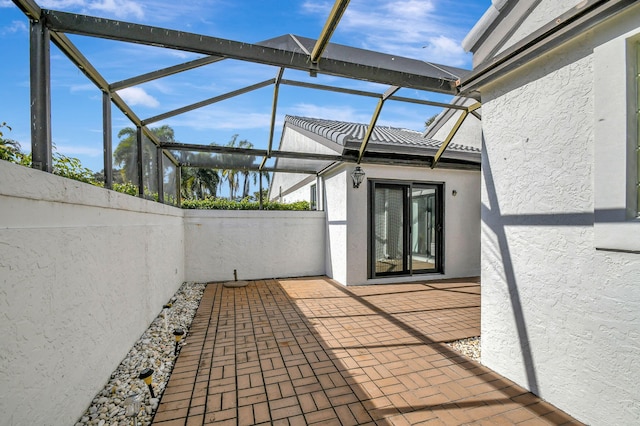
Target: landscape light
{"type": "Point", "coordinates": [132, 406]}
{"type": "Point", "coordinates": [178, 333]}
{"type": "Point", "coordinates": [147, 376]}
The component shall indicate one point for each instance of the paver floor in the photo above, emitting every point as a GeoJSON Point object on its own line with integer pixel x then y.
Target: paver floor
{"type": "Point", "coordinates": [310, 351]}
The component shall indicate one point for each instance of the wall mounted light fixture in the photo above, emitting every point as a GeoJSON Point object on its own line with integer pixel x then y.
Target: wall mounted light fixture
{"type": "Point", "coordinates": [357, 176]}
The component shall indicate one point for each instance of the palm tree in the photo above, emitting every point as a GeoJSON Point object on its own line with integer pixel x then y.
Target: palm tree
{"type": "Point", "coordinates": [126, 153]}
{"type": "Point", "coordinates": [236, 166]}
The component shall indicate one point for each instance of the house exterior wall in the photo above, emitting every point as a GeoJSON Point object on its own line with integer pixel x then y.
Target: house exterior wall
{"type": "Point", "coordinates": [83, 271]}
{"type": "Point", "coordinates": [461, 221]}
{"type": "Point", "coordinates": [559, 316]}
{"type": "Point", "coordinates": [258, 244]}
{"type": "Point", "coordinates": [337, 223]}
{"type": "Point", "coordinates": [297, 141]}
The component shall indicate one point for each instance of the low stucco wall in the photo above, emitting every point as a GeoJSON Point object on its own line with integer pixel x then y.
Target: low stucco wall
{"type": "Point", "coordinates": [258, 244]}
{"type": "Point", "coordinates": [83, 271]}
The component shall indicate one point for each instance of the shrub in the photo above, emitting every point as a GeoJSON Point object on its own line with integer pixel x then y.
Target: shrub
{"type": "Point", "coordinates": [222, 204]}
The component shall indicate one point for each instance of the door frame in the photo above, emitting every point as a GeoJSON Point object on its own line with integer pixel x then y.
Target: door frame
{"type": "Point", "coordinates": [407, 186]}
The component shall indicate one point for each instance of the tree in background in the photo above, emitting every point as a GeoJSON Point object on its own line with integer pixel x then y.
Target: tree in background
{"type": "Point", "coordinates": [9, 149]}
{"type": "Point", "coordinates": [125, 155]}
{"type": "Point", "coordinates": [236, 165]}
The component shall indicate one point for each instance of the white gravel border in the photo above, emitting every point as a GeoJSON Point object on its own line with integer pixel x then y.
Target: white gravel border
{"type": "Point", "coordinates": [154, 349]}
{"type": "Point", "coordinates": [468, 347]}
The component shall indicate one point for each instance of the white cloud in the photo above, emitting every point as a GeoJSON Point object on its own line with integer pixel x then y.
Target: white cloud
{"type": "Point", "coordinates": [137, 96]}
{"type": "Point", "coordinates": [222, 119]}
{"type": "Point", "coordinates": [14, 27]}
{"type": "Point", "coordinates": [403, 27]}
{"type": "Point", "coordinates": [72, 150]}
{"type": "Point", "coordinates": [446, 49]}
{"type": "Point", "coordinates": [117, 8]}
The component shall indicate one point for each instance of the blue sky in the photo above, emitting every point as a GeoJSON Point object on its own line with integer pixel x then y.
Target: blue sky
{"type": "Point", "coordinates": [430, 30]}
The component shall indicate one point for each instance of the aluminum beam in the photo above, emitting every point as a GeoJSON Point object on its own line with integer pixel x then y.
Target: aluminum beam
{"type": "Point", "coordinates": [365, 141]}
{"type": "Point", "coordinates": [206, 102]}
{"type": "Point", "coordinates": [347, 91]}
{"type": "Point", "coordinates": [274, 108]}
{"type": "Point", "coordinates": [179, 40]}
{"type": "Point", "coordinates": [139, 159]}
{"type": "Point", "coordinates": [160, 173]}
{"type": "Point", "coordinates": [327, 31]}
{"type": "Point", "coordinates": [29, 8]}
{"type": "Point", "coordinates": [72, 52]}
{"type": "Point", "coordinates": [41, 144]}
{"type": "Point", "coordinates": [107, 141]}
{"type": "Point", "coordinates": [453, 132]}
{"type": "Point", "coordinates": [175, 146]}
{"type": "Point", "coordinates": [165, 72]}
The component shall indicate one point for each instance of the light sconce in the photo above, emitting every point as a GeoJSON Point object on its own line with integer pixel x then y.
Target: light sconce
{"type": "Point", "coordinates": [147, 376]}
{"type": "Point", "coordinates": [178, 333]}
{"type": "Point", "coordinates": [357, 176]}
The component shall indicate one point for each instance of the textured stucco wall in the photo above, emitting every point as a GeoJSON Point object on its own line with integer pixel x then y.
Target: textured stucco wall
{"type": "Point", "coordinates": [83, 271]}
{"type": "Point", "coordinates": [461, 222]}
{"type": "Point", "coordinates": [258, 244]}
{"type": "Point", "coordinates": [335, 196]}
{"type": "Point", "coordinates": [558, 316]}
{"type": "Point", "coordinates": [296, 140]}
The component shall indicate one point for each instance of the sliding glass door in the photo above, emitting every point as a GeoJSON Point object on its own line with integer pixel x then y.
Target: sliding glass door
{"type": "Point", "coordinates": [405, 228]}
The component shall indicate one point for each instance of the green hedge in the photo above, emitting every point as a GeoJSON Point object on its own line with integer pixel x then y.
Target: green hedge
{"type": "Point", "coordinates": [222, 204]}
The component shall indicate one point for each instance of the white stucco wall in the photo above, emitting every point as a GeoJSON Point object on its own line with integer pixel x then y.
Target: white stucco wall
{"type": "Point", "coordinates": [83, 271]}
{"type": "Point", "coordinates": [558, 316]}
{"type": "Point", "coordinates": [461, 222]}
{"type": "Point", "coordinates": [258, 244]}
{"type": "Point", "coordinates": [336, 193]}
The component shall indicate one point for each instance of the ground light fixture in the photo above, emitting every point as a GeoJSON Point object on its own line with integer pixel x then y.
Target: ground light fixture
{"type": "Point", "coordinates": [147, 376]}
{"type": "Point", "coordinates": [178, 333]}
{"type": "Point", "coordinates": [357, 176]}
{"type": "Point", "coordinates": [132, 406]}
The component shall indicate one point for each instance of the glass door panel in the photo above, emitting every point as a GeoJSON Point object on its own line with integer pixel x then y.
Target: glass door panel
{"type": "Point", "coordinates": [406, 229]}
{"type": "Point", "coordinates": [389, 230]}
{"type": "Point", "coordinates": [424, 228]}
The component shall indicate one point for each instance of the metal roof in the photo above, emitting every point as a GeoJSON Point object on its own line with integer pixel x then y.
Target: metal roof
{"type": "Point", "coordinates": [346, 133]}
{"type": "Point", "coordinates": [387, 145]}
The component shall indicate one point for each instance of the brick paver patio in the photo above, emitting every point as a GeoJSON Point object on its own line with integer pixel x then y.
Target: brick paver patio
{"type": "Point", "coordinates": [309, 351]}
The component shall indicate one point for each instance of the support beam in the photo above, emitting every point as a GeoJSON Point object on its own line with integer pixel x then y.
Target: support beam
{"type": "Point", "coordinates": [452, 133]}
{"type": "Point", "coordinates": [29, 8]}
{"type": "Point", "coordinates": [206, 102]}
{"type": "Point", "coordinates": [178, 186]}
{"type": "Point", "coordinates": [160, 173]}
{"type": "Point", "coordinates": [176, 146]}
{"type": "Point", "coordinates": [372, 125]}
{"type": "Point", "coordinates": [369, 94]}
{"type": "Point", "coordinates": [274, 108]}
{"type": "Point", "coordinates": [139, 159]}
{"type": "Point", "coordinates": [41, 144]}
{"type": "Point", "coordinates": [72, 52]}
{"type": "Point", "coordinates": [327, 31]}
{"type": "Point", "coordinates": [424, 76]}
{"type": "Point", "coordinates": [165, 72]}
{"type": "Point", "coordinates": [107, 141]}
